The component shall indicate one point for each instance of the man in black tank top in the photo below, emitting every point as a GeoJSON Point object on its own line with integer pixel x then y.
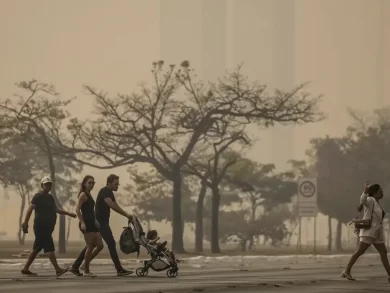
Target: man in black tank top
{"type": "Point", "coordinates": [105, 201]}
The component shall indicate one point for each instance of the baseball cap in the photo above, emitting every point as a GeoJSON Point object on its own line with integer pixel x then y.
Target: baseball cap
{"type": "Point", "coordinates": [45, 180]}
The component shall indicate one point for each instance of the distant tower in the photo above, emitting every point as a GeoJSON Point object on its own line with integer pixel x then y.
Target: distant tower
{"type": "Point", "coordinates": [381, 56]}
{"type": "Point", "coordinates": [284, 74]}
{"type": "Point", "coordinates": [180, 32]}
{"type": "Point", "coordinates": [213, 39]}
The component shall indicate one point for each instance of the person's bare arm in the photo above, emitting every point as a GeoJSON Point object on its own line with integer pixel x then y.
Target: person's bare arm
{"type": "Point", "coordinates": [61, 211]}
{"type": "Point", "coordinates": [82, 199]}
{"type": "Point", "coordinates": [154, 241]}
{"type": "Point", "coordinates": [114, 206]}
{"type": "Point", "coordinates": [28, 215]}
{"type": "Point", "coordinates": [364, 197]}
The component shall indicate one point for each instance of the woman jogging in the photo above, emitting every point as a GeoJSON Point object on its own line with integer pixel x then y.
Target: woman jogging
{"type": "Point", "coordinates": [373, 233]}
{"type": "Point", "coordinates": [88, 225]}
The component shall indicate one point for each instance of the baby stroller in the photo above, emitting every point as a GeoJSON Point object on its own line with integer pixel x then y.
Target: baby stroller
{"type": "Point", "coordinates": [160, 260]}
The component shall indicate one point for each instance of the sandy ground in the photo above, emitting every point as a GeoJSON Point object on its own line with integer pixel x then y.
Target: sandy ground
{"type": "Point", "coordinates": [209, 274]}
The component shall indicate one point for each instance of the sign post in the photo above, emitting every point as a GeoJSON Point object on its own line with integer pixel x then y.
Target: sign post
{"type": "Point", "coordinates": [307, 202]}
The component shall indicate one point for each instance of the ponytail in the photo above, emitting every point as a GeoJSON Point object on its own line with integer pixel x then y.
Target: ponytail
{"type": "Point", "coordinates": [81, 190]}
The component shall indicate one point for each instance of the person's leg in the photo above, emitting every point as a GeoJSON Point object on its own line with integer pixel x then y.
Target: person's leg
{"type": "Point", "coordinates": [80, 259]}
{"type": "Point", "coordinates": [53, 260]}
{"type": "Point", "coordinates": [381, 247]}
{"type": "Point", "coordinates": [106, 233]}
{"type": "Point", "coordinates": [360, 251]}
{"type": "Point", "coordinates": [48, 247]}
{"type": "Point", "coordinates": [37, 247]}
{"type": "Point", "coordinates": [99, 245]}
{"type": "Point", "coordinates": [90, 240]}
{"type": "Point", "coordinates": [75, 267]}
{"type": "Point", "coordinates": [172, 256]}
{"type": "Point", "coordinates": [30, 260]}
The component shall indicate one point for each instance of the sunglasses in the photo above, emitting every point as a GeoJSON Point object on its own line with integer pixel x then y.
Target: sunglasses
{"type": "Point", "coordinates": [91, 183]}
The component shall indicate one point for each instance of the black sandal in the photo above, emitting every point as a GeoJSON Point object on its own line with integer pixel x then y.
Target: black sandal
{"type": "Point", "coordinates": [63, 271]}
{"type": "Point", "coordinates": [28, 273]}
{"type": "Point", "coordinates": [347, 276]}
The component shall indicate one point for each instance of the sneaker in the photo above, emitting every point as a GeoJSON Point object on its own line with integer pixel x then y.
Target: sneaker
{"type": "Point", "coordinates": [90, 275]}
{"type": "Point", "coordinates": [75, 272]}
{"type": "Point", "coordinates": [124, 272]}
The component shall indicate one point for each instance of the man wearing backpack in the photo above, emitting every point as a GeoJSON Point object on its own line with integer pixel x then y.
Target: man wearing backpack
{"type": "Point", "coordinates": [105, 201]}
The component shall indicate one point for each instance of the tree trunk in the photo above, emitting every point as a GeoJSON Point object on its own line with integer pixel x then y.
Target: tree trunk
{"type": "Point", "coordinates": [251, 242]}
{"type": "Point", "coordinates": [177, 221]}
{"type": "Point", "coordinates": [338, 236]}
{"type": "Point", "coordinates": [243, 245]}
{"type": "Point", "coordinates": [215, 202]}
{"type": "Point", "coordinates": [62, 228]}
{"type": "Point", "coordinates": [199, 219]}
{"type": "Point", "coordinates": [21, 235]}
{"type": "Point", "coordinates": [330, 238]}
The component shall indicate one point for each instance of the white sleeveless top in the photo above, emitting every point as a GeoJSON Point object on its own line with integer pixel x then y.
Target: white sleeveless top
{"type": "Point", "coordinates": [376, 229]}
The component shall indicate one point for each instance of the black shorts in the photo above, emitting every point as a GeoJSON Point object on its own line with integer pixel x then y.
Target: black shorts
{"type": "Point", "coordinates": [90, 226]}
{"type": "Point", "coordinates": [43, 239]}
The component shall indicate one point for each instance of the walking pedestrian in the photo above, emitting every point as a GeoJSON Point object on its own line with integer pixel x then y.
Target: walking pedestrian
{"type": "Point", "coordinates": [88, 225]}
{"type": "Point", "coordinates": [106, 201]}
{"type": "Point", "coordinates": [45, 219]}
{"type": "Point", "coordinates": [373, 231]}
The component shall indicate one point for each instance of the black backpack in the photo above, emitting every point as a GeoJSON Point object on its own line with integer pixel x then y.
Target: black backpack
{"type": "Point", "coordinates": [127, 242]}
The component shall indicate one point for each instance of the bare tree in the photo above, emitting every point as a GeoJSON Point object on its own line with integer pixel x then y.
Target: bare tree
{"type": "Point", "coordinates": [211, 168]}
{"type": "Point", "coordinates": [18, 163]}
{"type": "Point", "coordinates": [162, 124]}
{"type": "Point", "coordinates": [38, 117]}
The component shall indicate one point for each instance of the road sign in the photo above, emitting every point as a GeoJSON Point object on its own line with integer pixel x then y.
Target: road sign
{"type": "Point", "coordinates": [307, 197]}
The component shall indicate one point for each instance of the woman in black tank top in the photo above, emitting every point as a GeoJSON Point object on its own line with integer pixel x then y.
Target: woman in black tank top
{"type": "Point", "coordinates": [88, 225]}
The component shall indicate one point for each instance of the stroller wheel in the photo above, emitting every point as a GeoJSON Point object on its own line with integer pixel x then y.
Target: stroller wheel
{"type": "Point", "coordinates": [140, 272]}
{"type": "Point", "coordinates": [172, 273]}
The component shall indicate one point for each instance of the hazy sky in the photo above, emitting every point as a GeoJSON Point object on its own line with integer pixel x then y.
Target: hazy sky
{"type": "Point", "coordinates": [339, 45]}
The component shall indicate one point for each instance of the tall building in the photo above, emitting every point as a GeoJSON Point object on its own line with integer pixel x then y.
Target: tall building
{"type": "Point", "coordinates": [214, 31]}
{"type": "Point", "coordinates": [283, 14]}
{"type": "Point", "coordinates": [221, 34]}
{"type": "Point", "coordinates": [381, 54]}
{"type": "Point", "coordinates": [180, 32]}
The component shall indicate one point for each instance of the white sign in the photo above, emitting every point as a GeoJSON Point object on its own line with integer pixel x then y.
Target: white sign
{"type": "Point", "coordinates": [307, 197]}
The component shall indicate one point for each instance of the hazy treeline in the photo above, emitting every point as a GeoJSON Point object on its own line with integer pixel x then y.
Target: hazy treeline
{"type": "Point", "coordinates": [193, 137]}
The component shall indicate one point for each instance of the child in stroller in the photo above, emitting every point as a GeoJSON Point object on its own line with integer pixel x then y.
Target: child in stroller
{"type": "Point", "coordinates": [161, 258]}
{"type": "Point", "coordinates": [152, 238]}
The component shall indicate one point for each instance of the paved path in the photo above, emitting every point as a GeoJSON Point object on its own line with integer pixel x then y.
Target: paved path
{"type": "Point", "coordinates": [283, 275]}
